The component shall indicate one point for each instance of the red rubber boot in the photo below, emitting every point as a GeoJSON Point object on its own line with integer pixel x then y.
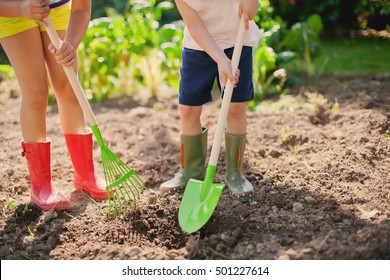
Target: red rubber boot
{"type": "Point", "coordinates": [42, 193]}
{"type": "Point", "coordinates": [85, 178]}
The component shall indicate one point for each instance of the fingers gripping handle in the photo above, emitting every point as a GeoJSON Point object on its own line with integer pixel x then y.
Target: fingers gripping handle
{"type": "Point", "coordinates": [227, 96]}
{"type": "Point", "coordinates": [73, 80]}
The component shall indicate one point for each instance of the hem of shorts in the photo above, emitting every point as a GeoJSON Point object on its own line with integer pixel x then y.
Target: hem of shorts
{"type": "Point", "coordinates": [201, 103]}
{"type": "Point", "coordinates": [20, 30]}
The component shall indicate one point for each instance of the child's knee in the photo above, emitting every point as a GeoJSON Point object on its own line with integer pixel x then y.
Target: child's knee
{"type": "Point", "coordinates": [35, 102]}
{"type": "Point", "coordinates": [237, 111]}
{"type": "Point", "coordinates": [35, 96]}
{"type": "Point", "coordinates": [63, 91]}
{"type": "Point", "coordinates": [190, 112]}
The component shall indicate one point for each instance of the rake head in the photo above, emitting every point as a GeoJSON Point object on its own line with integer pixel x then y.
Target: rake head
{"type": "Point", "coordinates": [124, 186]}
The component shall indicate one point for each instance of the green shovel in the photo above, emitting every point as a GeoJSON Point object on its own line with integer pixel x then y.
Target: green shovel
{"type": "Point", "coordinates": [201, 197]}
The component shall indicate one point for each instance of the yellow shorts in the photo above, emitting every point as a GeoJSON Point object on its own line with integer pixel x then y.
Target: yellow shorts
{"type": "Point", "coordinates": [11, 26]}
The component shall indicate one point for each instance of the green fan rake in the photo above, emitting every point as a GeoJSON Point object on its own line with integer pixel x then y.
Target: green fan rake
{"type": "Point", "coordinates": [124, 186]}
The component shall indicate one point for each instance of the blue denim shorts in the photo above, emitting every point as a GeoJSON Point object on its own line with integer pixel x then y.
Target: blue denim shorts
{"type": "Point", "coordinates": [199, 71]}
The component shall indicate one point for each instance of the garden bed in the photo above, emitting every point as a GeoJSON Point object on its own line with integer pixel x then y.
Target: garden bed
{"type": "Point", "coordinates": [319, 163]}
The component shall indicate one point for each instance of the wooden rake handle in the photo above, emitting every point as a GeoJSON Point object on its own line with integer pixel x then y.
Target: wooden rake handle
{"type": "Point", "coordinates": [72, 77]}
{"type": "Point", "coordinates": [222, 118]}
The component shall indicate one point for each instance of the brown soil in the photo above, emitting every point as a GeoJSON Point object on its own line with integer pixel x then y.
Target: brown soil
{"type": "Point", "coordinates": [321, 178]}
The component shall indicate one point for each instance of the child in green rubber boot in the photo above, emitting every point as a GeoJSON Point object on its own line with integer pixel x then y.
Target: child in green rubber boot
{"type": "Point", "coordinates": [209, 38]}
{"type": "Point", "coordinates": [24, 38]}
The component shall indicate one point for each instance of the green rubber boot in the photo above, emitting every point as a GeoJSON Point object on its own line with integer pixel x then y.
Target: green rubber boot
{"type": "Point", "coordinates": [239, 186]}
{"type": "Point", "coordinates": [193, 150]}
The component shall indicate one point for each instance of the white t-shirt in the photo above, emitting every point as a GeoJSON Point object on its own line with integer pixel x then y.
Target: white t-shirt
{"type": "Point", "coordinates": [222, 21]}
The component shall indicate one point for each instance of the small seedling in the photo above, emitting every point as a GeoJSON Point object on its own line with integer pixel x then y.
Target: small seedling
{"type": "Point", "coordinates": [275, 181]}
{"type": "Point", "coordinates": [281, 242]}
{"type": "Point", "coordinates": [259, 169]}
{"type": "Point", "coordinates": [388, 136]}
{"type": "Point", "coordinates": [285, 134]}
{"type": "Point", "coordinates": [11, 204]}
{"type": "Point", "coordinates": [24, 254]}
{"type": "Point", "coordinates": [336, 107]}
{"type": "Point", "coordinates": [307, 176]}
{"type": "Point", "coordinates": [279, 226]}
{"type": "Point", "coordinates": [295, 148]}
{"type": "Point", "coordinates": [354, 193]}
{"type": "Point", "coordinates": [31, 232]}
{"type": "Point", "coordinates": [293, 160]}
{"type": "Point", "coordinates": [26, 209]}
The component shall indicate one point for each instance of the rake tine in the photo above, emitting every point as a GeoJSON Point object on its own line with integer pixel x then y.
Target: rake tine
{"type": "Point", "coordinates": [122, 188]}
{"type": "Point", "coordinates": [133, 187]}
{"type": "Point", "coordinates": [112, 178]}
{"type": "Point", "coordinates": [130, 201]}
{"type": "Point", "coordinates": [130, 187]}
{"type": "Point", "coordinates": [109, 198]}
{"type": "Point", "coordinates": [129, 173]}
{"type": "Point", "coordinates": [128, 176]}
{"type": "Point", "coordinates": [126, 189]}
{"type": "Point", "coordinates": [138, 189]}
{"type": "Point", "coordinates": [113, 168]}
{"type": "Point", "coordinates": [110, 195]}
{"type": "Point", "coordinates": [120, 166]}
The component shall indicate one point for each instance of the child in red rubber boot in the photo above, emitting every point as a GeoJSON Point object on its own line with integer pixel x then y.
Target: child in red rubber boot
{"type": "Point", "coordinates": [24, 38]}
{"type": "Point", "coordinates": [209, 38]}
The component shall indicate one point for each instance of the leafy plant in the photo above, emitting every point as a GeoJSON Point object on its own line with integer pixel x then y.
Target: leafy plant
{"type": "Point", "coordinates": [122, 53]}
{"type": "Point", "coordinates": [269, 75]}
{"type": "Point", "coordinates": [368, 10]}
{"type": "Point", "coordinates": [304, 40]}
{"type": "Point", "coordinates": [281, 50]}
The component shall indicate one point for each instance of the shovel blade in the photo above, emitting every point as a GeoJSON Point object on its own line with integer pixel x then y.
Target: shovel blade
{"type": "Point", "coordinates": [198, 204]}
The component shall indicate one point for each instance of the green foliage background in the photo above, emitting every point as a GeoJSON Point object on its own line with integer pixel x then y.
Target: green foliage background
{"type": "Point", "coordinates": [135, 46]}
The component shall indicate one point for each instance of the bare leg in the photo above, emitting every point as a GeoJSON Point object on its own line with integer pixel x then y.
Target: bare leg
{"type": "Point", "coordinates": [236, 121]}
{"type": "Point", "coordinates": [190, 120]}
{"type": "Point", "coordinates": [71, 114]}
{"type": "Point", "coordinates": [24, 50]}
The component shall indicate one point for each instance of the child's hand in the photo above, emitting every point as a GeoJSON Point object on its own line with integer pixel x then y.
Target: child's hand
{"type": "Point", "coordinates": [226, 72]}
{"type": "Point", "coordinates": [36, 10]}
{"type": "Point", "coordinates": [65, 55]}
{"type": "Point", "coordinates": [248, 9]}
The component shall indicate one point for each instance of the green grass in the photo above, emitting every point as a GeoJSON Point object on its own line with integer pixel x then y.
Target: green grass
{"type": "Point", "coordinates": [354, 56]}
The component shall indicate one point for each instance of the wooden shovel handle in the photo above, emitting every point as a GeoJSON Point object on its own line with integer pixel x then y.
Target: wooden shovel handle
{"type": "Point", "coordinates": [227, 96]}
{"type": "Point", "coordinates": [72, 77]}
